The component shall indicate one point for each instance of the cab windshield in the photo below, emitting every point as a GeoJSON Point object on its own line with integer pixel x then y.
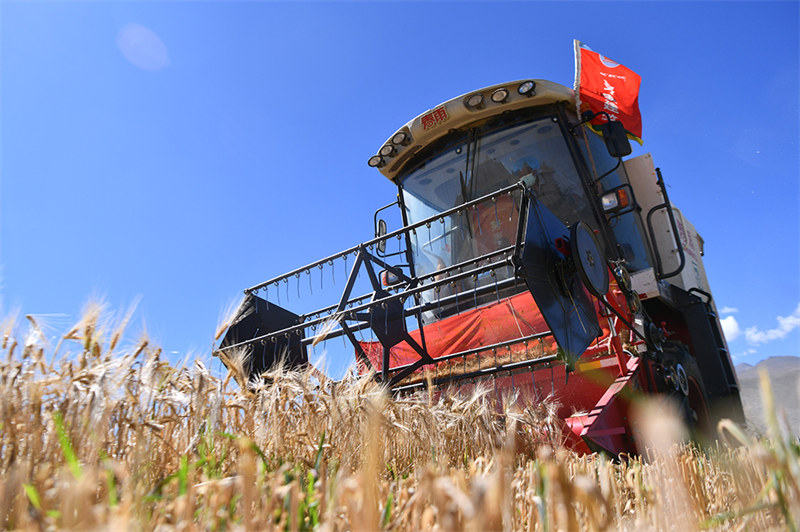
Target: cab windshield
{"type": "Point", "coordinates": [477, 163]}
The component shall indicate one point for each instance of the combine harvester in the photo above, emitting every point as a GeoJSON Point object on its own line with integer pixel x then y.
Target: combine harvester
{"type": "Point", "coordinates": [532, 258]}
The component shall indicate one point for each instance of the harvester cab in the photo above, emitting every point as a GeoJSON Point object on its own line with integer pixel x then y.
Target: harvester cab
{"type": "Point", "coordinates": [529, 251]}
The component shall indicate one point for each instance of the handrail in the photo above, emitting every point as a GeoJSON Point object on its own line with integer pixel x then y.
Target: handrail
{"type": "Point", "coordinates": [666, 204]}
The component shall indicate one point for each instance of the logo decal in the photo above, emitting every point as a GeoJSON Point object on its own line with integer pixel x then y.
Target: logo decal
{"type": "Point", "coordinates": [435, 117]}
{"type": "Point", "coordinates": [607, 62]}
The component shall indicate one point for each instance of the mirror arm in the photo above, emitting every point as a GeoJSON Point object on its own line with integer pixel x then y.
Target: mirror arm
{"type": "Point", "coordinates": [588, 116]}
{"type": "Point", "coordinates": [619, 162]}
{"type": "Point", "coordinates": [381, 246]}
{"type": "Point", "coordinates": [375, 216]}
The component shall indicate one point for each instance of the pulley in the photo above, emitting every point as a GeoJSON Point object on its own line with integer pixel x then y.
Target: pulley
{"type": "Point", "coordinates": [589, 259]}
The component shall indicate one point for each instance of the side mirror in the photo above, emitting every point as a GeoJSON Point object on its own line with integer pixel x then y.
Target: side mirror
{"type": "Point", "coordinates": [380, 231]}
{"type": "Point", "coordinates": [388, 278]}
{"type": "Point", "coordinates": [616, 139]}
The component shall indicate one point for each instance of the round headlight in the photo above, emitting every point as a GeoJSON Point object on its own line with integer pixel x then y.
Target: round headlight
{"type": "Point", "coordinates": [387, 151]}
{"type": "Point", "coordinates": [400, 138]}
{"type": "Point", "coordinates": [376, 161]}
{"type": "Point", "coordinates": [527, 88]}
{"type": "Point", "coordinates": [500, 95]}
{"type": "Point", "coordinates": [475, 101]}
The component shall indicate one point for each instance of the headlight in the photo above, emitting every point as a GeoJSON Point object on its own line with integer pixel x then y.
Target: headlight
{"type": "Point", "coordinates": [610, 202]}
{"type": "Point", "coordinates": [500, 95]}
{"type": "Point", "coordinates": [616, 200]}
{"type": "Point", "coordinates": [475, 101]}
{"type": "Point", "coordinates": [527, 88]}
{"type": "Point", "coordinates": [376, 161]}
{"type": "Point", "coordinates": [387, 151]}
{"type": "Point", "coordinates": [401, 138]}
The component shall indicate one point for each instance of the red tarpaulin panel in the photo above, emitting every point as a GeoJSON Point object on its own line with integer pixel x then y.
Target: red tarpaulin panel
{"type": "Point", "coordinates": [505, 320]}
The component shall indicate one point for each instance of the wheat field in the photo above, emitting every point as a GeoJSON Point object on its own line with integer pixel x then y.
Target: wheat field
{"type": "Point", "coordinates": [99, 433]}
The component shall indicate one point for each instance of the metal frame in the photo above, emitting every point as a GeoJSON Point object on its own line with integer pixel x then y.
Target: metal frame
{"type": "Point", "coordinates": [384, 309]}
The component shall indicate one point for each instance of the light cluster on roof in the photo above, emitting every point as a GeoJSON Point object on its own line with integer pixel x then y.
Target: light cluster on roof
{"type": "Point", "coordinates": [472, 102]}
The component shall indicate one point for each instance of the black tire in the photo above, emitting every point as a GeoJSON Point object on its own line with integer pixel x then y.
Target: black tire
{"type": "Point", "coordinates": [683, 382]}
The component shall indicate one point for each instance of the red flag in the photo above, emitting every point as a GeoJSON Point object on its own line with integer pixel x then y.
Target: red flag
{"type": "Point", "coordinates": [601, 85]}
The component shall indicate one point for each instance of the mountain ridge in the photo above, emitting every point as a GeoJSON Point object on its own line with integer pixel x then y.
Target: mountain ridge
{"type": "Point", "coordinates": [784, 375]}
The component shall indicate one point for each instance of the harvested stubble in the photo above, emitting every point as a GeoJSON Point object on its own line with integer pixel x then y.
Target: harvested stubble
{"type": "Point", "coordinates": [116, 438]}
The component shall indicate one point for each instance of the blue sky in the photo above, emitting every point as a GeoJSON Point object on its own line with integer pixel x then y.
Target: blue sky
{"type": "Point", "coordinates": [180, 152]}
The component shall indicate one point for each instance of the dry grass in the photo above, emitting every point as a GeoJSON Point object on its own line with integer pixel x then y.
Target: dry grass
{"type": "Point", "coordinates": [106, 437]}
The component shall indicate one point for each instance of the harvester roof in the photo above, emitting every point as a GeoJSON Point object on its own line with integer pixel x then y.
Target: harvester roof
{"type": "Point", "coordinates": [458, 112]}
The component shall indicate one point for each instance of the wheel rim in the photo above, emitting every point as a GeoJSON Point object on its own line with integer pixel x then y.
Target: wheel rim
{"type": "Point", "coordinates": [697, 402]}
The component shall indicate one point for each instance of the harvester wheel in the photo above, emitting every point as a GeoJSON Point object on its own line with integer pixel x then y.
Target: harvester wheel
{"type": "Point", "coordinates": [685, 384]}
